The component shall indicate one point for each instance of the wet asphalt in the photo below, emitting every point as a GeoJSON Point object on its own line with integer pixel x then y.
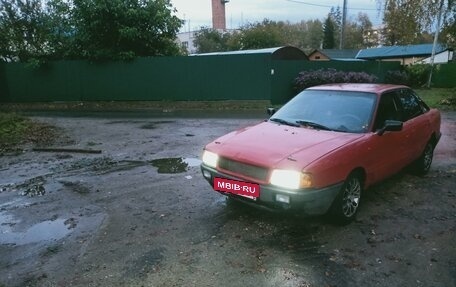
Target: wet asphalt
{"type": "Point", "coordinates": [141, 214]}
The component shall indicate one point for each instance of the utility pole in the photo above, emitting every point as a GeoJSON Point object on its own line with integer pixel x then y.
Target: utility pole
{"type": "Point", "coordinates": [342, 29]}
{"type": "Point", "coordinates": [436, 38]}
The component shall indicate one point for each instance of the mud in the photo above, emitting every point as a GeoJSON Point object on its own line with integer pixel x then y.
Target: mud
{"type": "Point", "coordinates": [118, 219]}
{"type": "Point", "coordinates": [174, 165]}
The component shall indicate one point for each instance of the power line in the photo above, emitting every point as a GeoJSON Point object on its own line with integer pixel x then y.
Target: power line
{"type": "Point", "coordinates": [329, 6]}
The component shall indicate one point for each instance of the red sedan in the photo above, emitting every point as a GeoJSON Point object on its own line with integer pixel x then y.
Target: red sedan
{"type": "Point", "coordinates": [319, 151]}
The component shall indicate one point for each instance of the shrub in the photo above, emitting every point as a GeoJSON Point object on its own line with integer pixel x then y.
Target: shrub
{"type": "Point", "coordinates": [418, 74]}
{"type": "Point", "coordinates": [311, 78]}
{"type": "Point", "coordinates": [397, 78]}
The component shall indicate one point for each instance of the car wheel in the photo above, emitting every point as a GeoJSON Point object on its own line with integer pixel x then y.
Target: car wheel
{"type": "Point", "coordinates": [423, 164]}
{"type": "Point", "coordinates": [346, 205]}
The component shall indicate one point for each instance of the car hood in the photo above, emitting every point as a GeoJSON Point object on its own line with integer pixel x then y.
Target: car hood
{"type": "Point", "coordinates": [279, 146]}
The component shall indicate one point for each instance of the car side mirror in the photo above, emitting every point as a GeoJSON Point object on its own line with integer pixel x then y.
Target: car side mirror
{"type": "Point", "coordinates": [270, 111]}
{"type": "Point", "coordinates": [390, 126]}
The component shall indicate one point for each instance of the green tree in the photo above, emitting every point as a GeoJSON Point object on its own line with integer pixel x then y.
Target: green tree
{"type": "Point", "coordinates": [24, 31]}
{"type": "Point", "coordinates": [124, 29]}
{"type": "Point", "coordinates": [408, 21]}
{"type": "Point", "coordinates": [61, 29]}
{"type": "Point", "coordinates": [211, 40]}
{"type": "Point", "coordinates": [336, 16]}
{"type": "Point", "coordinates": [328, 34]}
{"type": "Point", "coordinates": [355, 31]}
{"type": "Point", "coordinates": [259, 35]}
{"type": "Point", "coordinates": [311, 34]}
{"type": "Point", "coordinates": [265, 34]}
{"type": "Point", "coordinates": [401, 24]}
{"type": "Point", "coordinates": [448, 34]}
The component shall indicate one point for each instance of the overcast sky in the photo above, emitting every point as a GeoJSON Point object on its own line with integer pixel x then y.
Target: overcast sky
{"type": "Point", "coordinates": [240, 12]}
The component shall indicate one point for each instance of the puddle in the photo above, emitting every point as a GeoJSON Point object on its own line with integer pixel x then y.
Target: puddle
{"type": "Point", "coordinates": [174, 165]}
{"type": "Point", "coordinates": [43, 231]}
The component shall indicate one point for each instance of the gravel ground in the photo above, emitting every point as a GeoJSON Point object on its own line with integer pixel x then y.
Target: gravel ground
{"type": "Point", "coordinates": [139, 213]}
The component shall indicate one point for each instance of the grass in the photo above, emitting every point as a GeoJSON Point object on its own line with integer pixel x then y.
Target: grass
{"type": "Point", "coordinates": [433, 97]}
{"type": "Point", "coordinates": [16, 130]}
{"type": "Point", "coordinates": [444, 99]}
{"type": "Point", "coordinates": [12, 128]}
{"type": "Point", "coordinates": [138, 105]}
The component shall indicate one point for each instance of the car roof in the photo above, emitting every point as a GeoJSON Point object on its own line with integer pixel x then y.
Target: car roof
{"type": "Point", "coordinates": [367, 88]}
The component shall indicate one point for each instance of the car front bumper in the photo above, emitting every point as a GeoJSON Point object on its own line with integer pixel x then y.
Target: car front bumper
{"type": "Point", "coordinates": [304, 201]}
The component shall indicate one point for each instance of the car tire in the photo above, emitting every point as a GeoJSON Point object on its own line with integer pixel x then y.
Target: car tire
{"type": "Point", "coordinates": [423, 163]}
{"type": "Point", "coordinates": [346, 205]}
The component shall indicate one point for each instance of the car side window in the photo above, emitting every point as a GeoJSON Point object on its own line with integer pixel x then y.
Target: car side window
{"type": "Point", "coordinates": [423, 105]}
{"type": "Point", "coordinates": [387, 110]}
{"type": "Point", "coordinates": [410, 105]}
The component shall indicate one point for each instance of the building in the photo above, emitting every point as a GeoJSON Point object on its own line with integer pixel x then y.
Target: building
{"type": "Point", "coordinates": [333, 54]}
{"type": "Point", "coordinates": [185, 40]}
{"type": "Point", "coordinates": [219, 14]}
{"type": "Point", "coordinates": [407, 55]}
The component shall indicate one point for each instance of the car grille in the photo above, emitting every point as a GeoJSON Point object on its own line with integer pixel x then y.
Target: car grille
{"type": "Point", "coordinates": [249, 170]}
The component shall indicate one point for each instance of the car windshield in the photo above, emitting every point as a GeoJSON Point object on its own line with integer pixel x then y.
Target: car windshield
{"type": "Point", "coordinates": [343, 111]}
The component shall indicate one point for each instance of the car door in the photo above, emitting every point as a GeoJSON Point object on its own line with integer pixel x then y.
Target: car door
{"type": "Point", "coordinates": [415, 124]}
{"type": "Point", "coordinates": [387, 152]}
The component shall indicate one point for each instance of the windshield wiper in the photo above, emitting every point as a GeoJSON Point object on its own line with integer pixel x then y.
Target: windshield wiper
{"type": "Point", "coordinates": [284, 122]}
{"type": "Point", "coordinates": [314, 125]}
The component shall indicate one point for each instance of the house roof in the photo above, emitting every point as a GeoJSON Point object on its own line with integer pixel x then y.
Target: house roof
{"type": "Point", "coordinates": [338, 54]}
{"type": "Point", "coordinates": [400, 51]}
{"type": "Point", "coordinates": [277, 53]}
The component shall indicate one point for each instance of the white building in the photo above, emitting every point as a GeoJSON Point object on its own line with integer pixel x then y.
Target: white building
{"type": "Point", "coordinates": [185, 40]}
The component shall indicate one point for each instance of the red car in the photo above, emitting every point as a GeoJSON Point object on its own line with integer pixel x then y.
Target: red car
{"type": "Point", "coordinates": [319, 151]}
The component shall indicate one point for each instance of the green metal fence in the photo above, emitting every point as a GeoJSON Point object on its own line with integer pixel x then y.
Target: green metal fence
{"type": "Point", "coordinates": [444, 76]}
{"type": "Point", "coordinates": [202, 78]}
{"type": "Point", "coordinates": [147, 79]}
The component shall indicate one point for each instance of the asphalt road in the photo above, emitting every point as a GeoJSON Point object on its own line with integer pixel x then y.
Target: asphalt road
{"type": "Point", "coordinates": [120, 218]}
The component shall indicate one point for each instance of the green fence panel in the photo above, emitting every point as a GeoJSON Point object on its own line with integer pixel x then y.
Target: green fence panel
{"type": "Point", "coordinates": [286, 71]}
{"type": "Point", "coordinates": [51, 82]}
{"type": "Point", "coordinates": [229, 77]}
{"type": "Point", "coordinates": [444, 76]}
{"type": "Point", "coordinates": [197, 78]}
{"type": "Point", "coordinates": [4, 91]}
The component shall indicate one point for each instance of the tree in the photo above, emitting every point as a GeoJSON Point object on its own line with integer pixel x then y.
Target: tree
{"type": "Point", "coordinates": [61, 29]}
{"type": "Point", "coordinates": [124, 29]}
{"type": "Point", "coordinates": [39, 30]}
{"type": "Point", "coordinates": [211, 40]}
{"type": "Point", "coordinates": [310, 34]}
{"type": "Point", "coordinates": [355, 31]}
{"type": "Point", "coordinates": [448, 34]}
{"type": "Point", "coordinates": [25, 31]}
{"type": "Point", "coordinates": [264, 34]}
{"type": "Point", "coordinates": [401, 24]}
{"type": "Point", "coordinates": [407, 21]}
{"type": "Point", "coordinates": [328, 34]}
{"type": "Point", "coordinates": [336, 16]}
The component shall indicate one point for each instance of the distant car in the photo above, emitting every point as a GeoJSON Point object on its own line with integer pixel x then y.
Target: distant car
{"type": "Point", "coordinates": [319, 151]}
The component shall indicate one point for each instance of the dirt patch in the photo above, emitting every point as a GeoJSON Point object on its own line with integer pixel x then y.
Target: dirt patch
{"type": "Point", "coordinates": [28, 132]}
{"type": "Point", "coordinates": [175, 165]}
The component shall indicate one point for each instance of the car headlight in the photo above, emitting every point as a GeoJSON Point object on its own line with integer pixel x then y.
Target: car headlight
{"type": "Point", "coordinates": [210, 158]}
{"type": "Point", "coordinates": [291, 179]}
